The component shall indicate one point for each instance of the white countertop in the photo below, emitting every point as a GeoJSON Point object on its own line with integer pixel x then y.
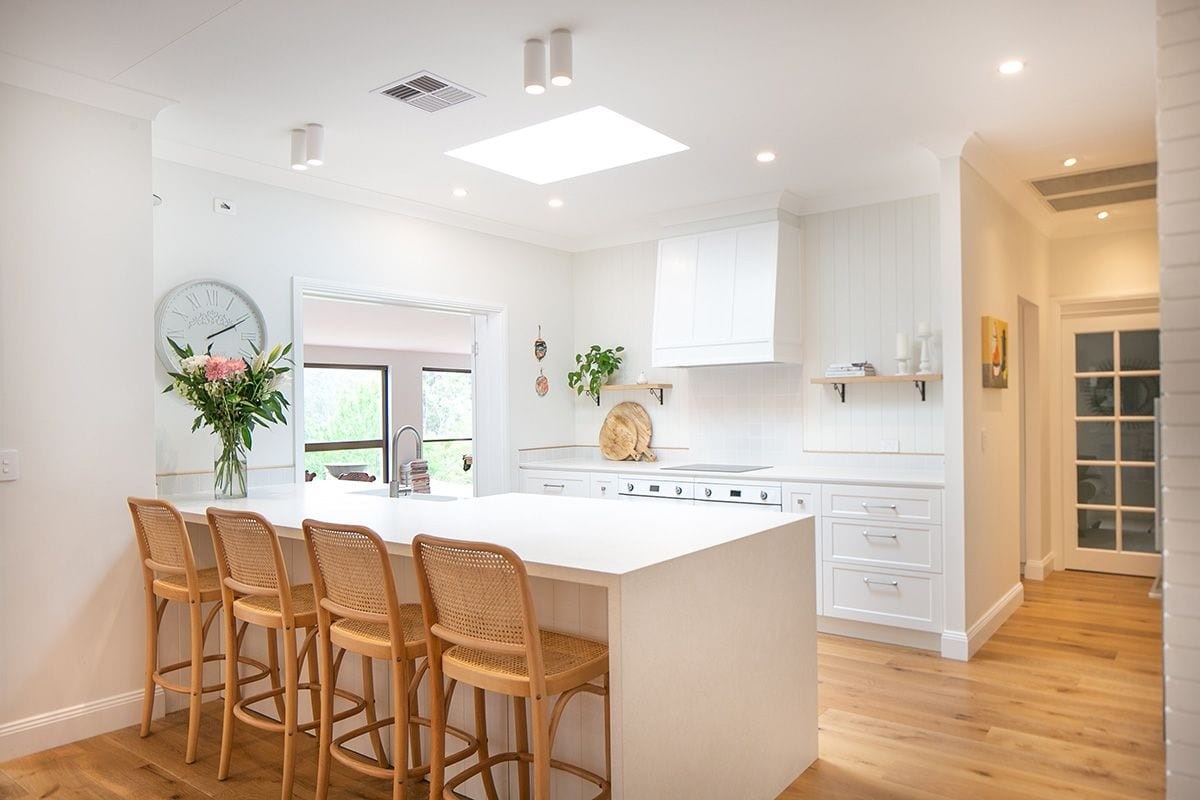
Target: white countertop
{"type": "Point", "coordinates": [592, 541]}
{"type": "Point", "coordinates": [776, 474]}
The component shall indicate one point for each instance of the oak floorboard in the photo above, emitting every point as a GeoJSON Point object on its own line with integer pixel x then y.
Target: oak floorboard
{"type": "Point", "coordinates": [1064, 702]}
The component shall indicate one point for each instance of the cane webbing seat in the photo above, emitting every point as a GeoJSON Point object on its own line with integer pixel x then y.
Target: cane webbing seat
{"type": "Point", "coordinates": [175, 587]}
{"type": "Point", "coordinates": [264, 609]}
{"type": "Point", "coordinates": [567, 660]}
{"type": "Point", "coordinates": [374, 638]}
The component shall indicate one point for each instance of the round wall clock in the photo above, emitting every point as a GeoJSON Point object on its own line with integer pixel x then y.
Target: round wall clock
{"type": "Point", "coordinates": [208, 314]}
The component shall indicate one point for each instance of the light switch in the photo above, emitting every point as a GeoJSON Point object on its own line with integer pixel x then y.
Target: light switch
{"type": "Point", "coordinates": [10, 465]}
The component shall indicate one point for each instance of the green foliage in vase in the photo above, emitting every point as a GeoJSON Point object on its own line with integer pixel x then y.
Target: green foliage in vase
{"type": "Point", "coordinates": [594, 367]}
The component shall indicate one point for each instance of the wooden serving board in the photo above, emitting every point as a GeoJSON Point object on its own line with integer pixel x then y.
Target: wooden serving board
{"type": "Point", "coordinates": [618, 439]}
{"type": "Point", "coordinates": [634, 416]}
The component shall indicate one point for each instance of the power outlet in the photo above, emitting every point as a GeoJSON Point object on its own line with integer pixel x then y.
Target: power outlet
{"type": "Point", "coordinates": [889, 445]}
{"type": "Point", "coordinates": [10, 465]}
{"type": "Point", "coordinates": [223, 206]}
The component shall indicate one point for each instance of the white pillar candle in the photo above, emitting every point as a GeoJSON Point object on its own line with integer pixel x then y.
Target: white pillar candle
{"type": "Point", "coordinates": [922, 329]}
{"type": "Point", "coordinates": [901, 345]}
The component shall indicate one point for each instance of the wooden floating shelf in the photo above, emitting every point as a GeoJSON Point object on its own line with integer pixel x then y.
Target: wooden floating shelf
{"type": "Point", "coordinates": [839, 384]}
{"type": "Point", "coordinates": [656, 389]}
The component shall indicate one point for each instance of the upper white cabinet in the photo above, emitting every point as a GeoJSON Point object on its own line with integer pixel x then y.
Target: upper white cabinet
{"type": "Point", "coordinates": [729, 296]}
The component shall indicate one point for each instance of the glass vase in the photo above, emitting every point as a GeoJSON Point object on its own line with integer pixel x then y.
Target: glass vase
{"type": "Point", "coordinates": [229, 466]}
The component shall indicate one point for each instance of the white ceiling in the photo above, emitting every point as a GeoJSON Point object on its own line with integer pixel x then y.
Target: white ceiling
{"type": "Point", "coordinates": [849, 94]}
{"type": "Point", "coordinates": [377, 326]}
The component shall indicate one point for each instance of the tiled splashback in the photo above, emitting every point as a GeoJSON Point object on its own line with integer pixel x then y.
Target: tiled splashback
{"type": "Point", "coordinates": [747, 414]}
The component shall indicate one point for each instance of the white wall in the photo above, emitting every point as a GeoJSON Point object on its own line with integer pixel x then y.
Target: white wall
{"type": "Point", "coordinates": [76, 389]}
{"type": "Point", "coordinates": [404, 375]}
{"type": "Point", "coordinates": [1105, 265]}
{"type": "Point", "coordinates": [1178, 67]}
{"type": "Point", "coordinates": [1003, 257]}
{"type": "Point", "coordinates": [278, 234]}
{"type": "Point", "coordinates": [758, 414]}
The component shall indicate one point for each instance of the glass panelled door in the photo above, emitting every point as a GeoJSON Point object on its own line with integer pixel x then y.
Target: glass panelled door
{"type": "Point", "coordinates": [1112, 371]}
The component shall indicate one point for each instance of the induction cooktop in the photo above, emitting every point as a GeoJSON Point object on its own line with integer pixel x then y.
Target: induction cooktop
{"type": "Point", "coordinates": [714, 468]}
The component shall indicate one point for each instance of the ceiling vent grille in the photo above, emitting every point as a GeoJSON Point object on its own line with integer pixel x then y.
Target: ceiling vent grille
{"type": "Point", "coordinates": [1104, 187]}
{"type": "Point", "coordinates": [427, 91]}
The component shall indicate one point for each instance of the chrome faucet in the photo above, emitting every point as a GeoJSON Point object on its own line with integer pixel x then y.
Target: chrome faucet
{"type": "Point", "coordinates": [395, 488]}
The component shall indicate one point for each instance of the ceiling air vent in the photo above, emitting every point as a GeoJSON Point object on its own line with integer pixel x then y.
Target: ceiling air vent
{"type": "Point", "coordinates": [428, 92]}
{"type": "Point", "coordinates": [1104, 187]}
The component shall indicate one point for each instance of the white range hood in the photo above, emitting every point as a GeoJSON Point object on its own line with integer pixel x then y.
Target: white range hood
{"type": "Point", "coordinates": [729, 295]}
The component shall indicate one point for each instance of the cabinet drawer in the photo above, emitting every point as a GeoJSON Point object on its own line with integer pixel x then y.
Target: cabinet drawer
{"type": "Point", "coordinates": [564, 484]}
{"type": "Point", "coordinates": [900, 599]}
{"type": "Point", "coordinates": [883, 544]}
{"type": "Point", "coordinates": [884, 503]}
{"type": "Point", "coordinates": [802, 498]}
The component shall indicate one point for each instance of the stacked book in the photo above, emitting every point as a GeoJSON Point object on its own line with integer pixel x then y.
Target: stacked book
{"type": "Point", "coordinates": [415, 473]}
{"type": "Point", "coordinates": [851, 369]}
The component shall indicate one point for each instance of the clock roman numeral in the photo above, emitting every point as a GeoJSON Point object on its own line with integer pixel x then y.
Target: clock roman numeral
{"type": "Point", "coordinates": [247, 336]}
{"type": "Point", "coordinates": [229, 305]}
{"type": "Point", "coordinates": [213, 296]}
{"type": "Point", "coordinates": [175, 334]}
{"type": "Point", "coordinates": [192, 299]}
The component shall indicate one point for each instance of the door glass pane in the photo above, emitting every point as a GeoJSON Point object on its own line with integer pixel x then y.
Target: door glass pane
{"type": "Point", "coordinates": [1093, 352]}
{"type": "Point", "coordinates": [1094, 397]}
{"type": "Point", "coordinates": [1097, 529]}
{"type": "Point", "coordinates": [446, 465]}
{"type": "Point", "coordinates": [1139, 350]}
{"type": "Point", "coordinates": [1096, 485]}
{"type": "Point", "coordinates": [446, 404]}
{"type": "Point", "coordinates": [1137, 486]}
{"type": "Point", "coordinates": [1094, 441]}
{"type": "Point", "coordinates": [1137, 531]}
{"type": "Point", "coordinates": [1137, 441]}
{"type": "Point", "coordinates": [1137, 396]}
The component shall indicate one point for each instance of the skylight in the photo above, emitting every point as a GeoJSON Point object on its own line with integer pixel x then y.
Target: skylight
{"type": "Point", "coordinates": [577, 144]}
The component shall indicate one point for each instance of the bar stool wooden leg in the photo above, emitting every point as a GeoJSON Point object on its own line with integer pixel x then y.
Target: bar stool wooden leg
{"type": "Point", "coordinates": [522, 731]}
{"type": "Point", "coordinates": [273, 663]}
{"type": "Point", "coordinates": [291, 684]}
{"type": "Point", "coordinates": [232, 651]}
{"type": "Point", "coordinates": [313, 674]}
{"type": "Point", "coordinates": [325, 735]}
{"type": "Point", "coordinates": [401, 678]}
{"type": "Point", "coordinates": [197, 687]}
{"type": "Point", "coordinates": [368, 678]}
{"type": "Point", "coordinates": [437, 719]}
{"type": "Point", "coordinates": [489, 782]}
{"type": "Point", "coordinates": [541, 749]}
{"type": "Point", "coordinates": [151, 661]}
{"type": "Point", "coordinates": [414, 710]}
{"type": "Point", "coordinates": [608, 730]}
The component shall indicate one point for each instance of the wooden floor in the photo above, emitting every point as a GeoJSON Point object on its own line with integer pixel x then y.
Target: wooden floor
{"type": "Point", "coordinates": [1063, 702]}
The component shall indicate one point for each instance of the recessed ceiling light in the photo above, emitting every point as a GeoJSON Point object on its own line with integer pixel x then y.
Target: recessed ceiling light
{"type": "Point", "coordinates": [1011, 67]}
{"type": "Point", "coordinates": [1070, 162]}
{"type": "Point", "coordinates": [1102, 215]}
{"type": "Point", "coordinates": [555, 202]}
{"type": "Point", "coordinates": [459, 192]}
{"type": "Point", "coordinates": [578, 144]}
{"type": "Point", "coordinates": [765, 157]}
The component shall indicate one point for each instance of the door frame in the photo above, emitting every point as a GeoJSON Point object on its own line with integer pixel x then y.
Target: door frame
{"type": "Point", "coordinates": [1069, 311]}
{"type": "Point", "coordinates": [488, 364]}
{"type": "Point", "coordinates": [1034, 559]}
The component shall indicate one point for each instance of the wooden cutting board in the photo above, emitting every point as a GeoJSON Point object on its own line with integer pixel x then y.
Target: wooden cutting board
{"type": "Point", "coordinates": [618, 439]}
{"type": "Point", "coordinates": [636, 417]}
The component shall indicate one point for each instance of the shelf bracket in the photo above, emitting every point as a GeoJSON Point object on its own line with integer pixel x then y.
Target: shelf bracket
{"type": "Point", "coordinates": [840, 388]}
{"type": "Point", "coordinates": [920, 384]}
{"type": "Point", "coordinates": [658, 394]}
{"type": "Point", "coordinates": [595, 397]}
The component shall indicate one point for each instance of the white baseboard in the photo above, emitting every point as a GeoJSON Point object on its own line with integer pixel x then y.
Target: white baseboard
{"type": "Point", "coordinates": [62, 726]}
{"type": "Point", "coordinates": [961, 646]}
{"type": "Point", "coordinates": [887, 634]}
{"type": "Point", "coordinates": [1037, 570]}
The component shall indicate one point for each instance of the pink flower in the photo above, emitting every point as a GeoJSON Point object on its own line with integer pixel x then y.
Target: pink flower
{"type": "Point", "coordinates": [219, 368]}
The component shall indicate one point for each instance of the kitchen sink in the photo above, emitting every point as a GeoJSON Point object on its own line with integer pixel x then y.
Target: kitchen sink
{"type": "Point", "coordinates": [382, 491]}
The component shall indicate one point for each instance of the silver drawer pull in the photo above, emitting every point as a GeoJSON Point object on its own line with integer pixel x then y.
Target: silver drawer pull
{"type": "Point", "coordinates": [868, 506]}
{"type": "Point", "coordinates": [872, 534]}
{"type": "Point", "coordinates": [870, 582]}
{"type": "Point", "coordinates": [553, 486]}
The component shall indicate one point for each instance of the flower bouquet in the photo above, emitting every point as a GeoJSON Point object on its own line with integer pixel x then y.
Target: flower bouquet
{"type": "Point", "coordinates": [233, 396]}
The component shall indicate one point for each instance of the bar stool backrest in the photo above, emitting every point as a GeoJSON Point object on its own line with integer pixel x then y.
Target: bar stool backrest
{"type": "Point", "coordinates": [249, 558]}
{"type": "Point", "coordinates": [352, 574]}
{"type": "Point", "coordinates": [162, 537]}
{"type": "Point", "coordinates": [477, 594]}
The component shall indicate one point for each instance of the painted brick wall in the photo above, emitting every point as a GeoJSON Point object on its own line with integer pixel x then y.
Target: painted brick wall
{"type": "Point", "coordinates": [1178, 68]}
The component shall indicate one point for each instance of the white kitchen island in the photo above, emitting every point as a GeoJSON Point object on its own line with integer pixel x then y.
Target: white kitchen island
{"type": "Point", "coordinates": [708, 613]}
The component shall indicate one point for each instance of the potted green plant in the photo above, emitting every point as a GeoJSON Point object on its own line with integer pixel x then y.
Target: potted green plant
{"type": "Point", "coordinates": [595, 367]}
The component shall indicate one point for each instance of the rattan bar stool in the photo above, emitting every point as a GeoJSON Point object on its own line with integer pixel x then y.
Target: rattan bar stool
{"type": "Point", "coordinates": [358, 610]}
{"type": "Point", "coordinates": [255, 587]}
{"type": "Point", "coordinates": [482, 630]}
{"type": "Point", "coordinates": [169, 574]}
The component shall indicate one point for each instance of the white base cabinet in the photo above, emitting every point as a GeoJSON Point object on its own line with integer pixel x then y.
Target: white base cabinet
{"type": "Point", "coordinates": [553, 482]}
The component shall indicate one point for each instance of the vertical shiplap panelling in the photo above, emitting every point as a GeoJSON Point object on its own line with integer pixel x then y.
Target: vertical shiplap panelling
{"type": "Point", "coordinates": [871, 272]}
{"type": "Point", "coordinates": [1178, 68]}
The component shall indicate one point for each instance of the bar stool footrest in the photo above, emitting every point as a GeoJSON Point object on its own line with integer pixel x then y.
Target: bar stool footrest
{"type": "Point", "coordinates": [263, 672]}
{"type": "Point", "coordinates": [501, 758]}
{"type": "Point", "coordinates": [242, 711]}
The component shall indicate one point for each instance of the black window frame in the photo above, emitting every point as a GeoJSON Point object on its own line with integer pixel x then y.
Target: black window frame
{"type": "Point", "coordinates": [460, 371]}
{"type": "Point", "coordinates": [360, 444]}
